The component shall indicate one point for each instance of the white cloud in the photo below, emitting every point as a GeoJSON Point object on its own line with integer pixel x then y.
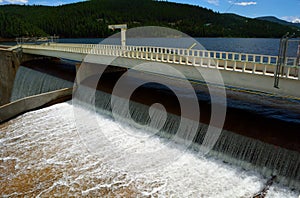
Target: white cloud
{"type": "Point", "coordinates": [214, 2]}
{"type": "Point", "coordinates": [244, 3]}
{"type": "Point", "coordinates": [50, 3]}
{"type": "Point", "coordinates": [14, 1]}
{"type": "Point", "coordinates": [293, 19]}
{"type": "Point", "coordinates": [296, 21]}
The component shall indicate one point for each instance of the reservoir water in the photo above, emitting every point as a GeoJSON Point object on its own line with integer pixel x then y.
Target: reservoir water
{"type": "Point", "coordinates": [266, 46]}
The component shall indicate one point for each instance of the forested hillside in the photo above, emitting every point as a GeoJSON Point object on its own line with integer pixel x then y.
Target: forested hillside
{"type": "Point", "coordinates": [276, 20]}
{"type": "Point", "coordinates": [91, 18]}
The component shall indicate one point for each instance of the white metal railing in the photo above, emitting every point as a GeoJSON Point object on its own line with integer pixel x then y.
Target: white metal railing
{"type": "Point", "coordinates": [231, 61]}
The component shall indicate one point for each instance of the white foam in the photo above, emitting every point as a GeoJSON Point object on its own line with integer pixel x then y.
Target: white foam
{"type": "Point", "coordinates": [49, 138]}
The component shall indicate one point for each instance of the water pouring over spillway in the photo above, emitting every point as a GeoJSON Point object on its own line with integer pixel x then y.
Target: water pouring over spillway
{"type": "Point", "coordinates": [50, 153]}
{"type": "Point", "coordinates": [30, 82]}
{"type": "Point", "coordinates": [47, 153]}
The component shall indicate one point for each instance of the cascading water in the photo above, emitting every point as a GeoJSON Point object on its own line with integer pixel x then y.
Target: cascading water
{"type": "Point", "coordinates": [42, 153]}
{"type": "Point", "coordinates": [47, 158]}
{"type": "Point", "coordinates": [236, 149]}
{"type": "Point", "coordinates": [30, 82]}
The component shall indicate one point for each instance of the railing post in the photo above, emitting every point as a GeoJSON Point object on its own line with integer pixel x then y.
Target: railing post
{"type": "Point", "coordinates": [209, 63]}
{"type": "Point", "coordinates": [234, 65]}
{"type": "Point", "coordinates": [147, 55]}
{"type": "Point", "coordinates": [162, 57]}
{"type": "Point", "coordinates": [168, 58]}
{"type": "Point", "coordinates": [244, 66]}
{"type": "Point", "coordinates": [288, 72]}
{"type": "Point", "coordinates": [174, 58]}
{"type": "Point", "coordinates": [265, 69]}
{"type": "Point", "coordinates": [194, 61]}
{"type": "Point", "coordinates": [201, 61]}
{"type": "Point", "coordinates": [217, 63]}
{"type": "Point", "coordinates": [254, 68]}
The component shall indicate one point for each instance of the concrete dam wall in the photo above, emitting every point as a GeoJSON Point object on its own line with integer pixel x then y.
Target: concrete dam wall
{"type": "Point", "coordinates": [9, 64]}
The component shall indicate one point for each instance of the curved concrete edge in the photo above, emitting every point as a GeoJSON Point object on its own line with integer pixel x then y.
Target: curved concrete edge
{"type": "Point", "coordinates": [16, 108]}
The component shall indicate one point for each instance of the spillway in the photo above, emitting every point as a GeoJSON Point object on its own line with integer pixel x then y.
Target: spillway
{"type": "Point", "coordinates": [46, 153]}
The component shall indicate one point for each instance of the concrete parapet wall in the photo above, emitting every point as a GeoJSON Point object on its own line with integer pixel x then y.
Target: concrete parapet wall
{"type": "Point", "coordinates": [24, 105]}
{"type": "Point", "coordinates": [244, 80]}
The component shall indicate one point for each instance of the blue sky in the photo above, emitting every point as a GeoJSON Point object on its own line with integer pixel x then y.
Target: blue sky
{"type": "Point", "coordinates": [284, 9]}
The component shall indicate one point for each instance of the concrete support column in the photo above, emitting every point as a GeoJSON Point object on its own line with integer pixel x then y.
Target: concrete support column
{"type": "Point", "coordinates": [9, 65]}
{"type": "Point", "coordinates": [10, 61]}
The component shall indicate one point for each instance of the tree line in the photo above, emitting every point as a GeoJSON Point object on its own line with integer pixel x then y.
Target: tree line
{"type": "Point", "coordinates": [91, 18]}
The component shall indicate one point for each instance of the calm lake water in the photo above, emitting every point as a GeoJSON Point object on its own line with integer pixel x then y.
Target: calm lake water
{"type": "Point", "coordinates": [241, 45]}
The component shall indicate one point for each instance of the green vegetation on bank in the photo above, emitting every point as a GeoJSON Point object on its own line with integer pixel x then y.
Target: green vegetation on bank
{"type": "Point", "coordinates": [91, 18]}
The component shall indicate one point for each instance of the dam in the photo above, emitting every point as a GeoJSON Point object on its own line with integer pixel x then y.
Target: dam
{"type": "Point", "coordinates": [52, 151]}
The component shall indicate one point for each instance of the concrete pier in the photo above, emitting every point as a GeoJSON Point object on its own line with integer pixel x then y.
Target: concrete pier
{"type": "Point", "coordinates": [9, 64]}
{"type": "Point", "coordinates": [10, 60]}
